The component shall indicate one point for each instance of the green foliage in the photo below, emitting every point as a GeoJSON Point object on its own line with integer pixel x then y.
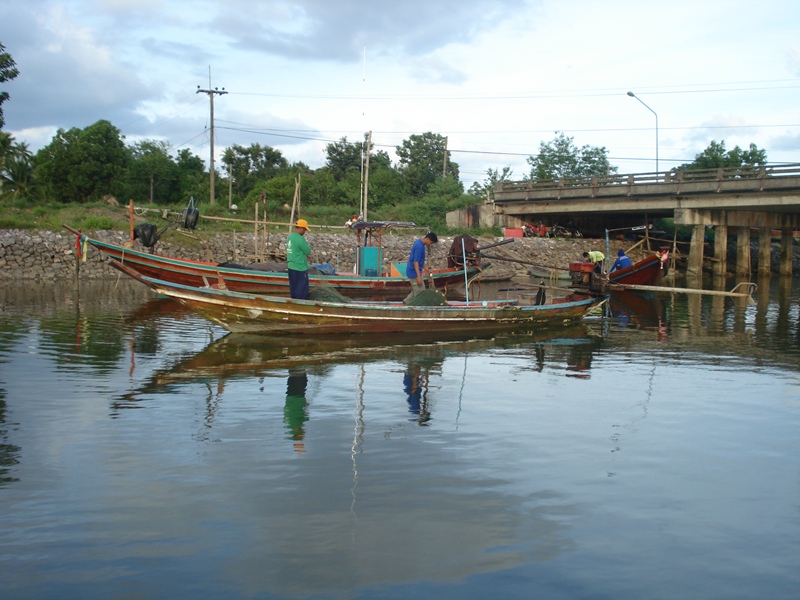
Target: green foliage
{"type": "Point", "coordinates": [385, 187]}
{"type": "Point", "coordinates": [96, 223]}
{"type": "Point", "coordinates": [82, 165]}
{"type": "Point", "coordinates": [16, 170]}
{"type": "Point", "coordinates": [717, 157]}
{"type": "Point", "coordinates": [562, 159]}
{"type": "Point", "coordinates": [8, 71]}
{"type": "Point", "coordinates": [344, 158]}
{"type": "Point", "coordinates": [192, 176]}
{"type": "Point", "coordinates": [250, 165]}
{"type": "Point", "coordinates": [422, 159]}
{"type": "Point", "coordinates": [486, 189]}
{"type": "Point", "coordinates": [152, 175]}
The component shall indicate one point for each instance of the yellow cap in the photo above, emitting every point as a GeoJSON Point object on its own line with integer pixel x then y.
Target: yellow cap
{"type": "Point", "coordinates": [302, 223]}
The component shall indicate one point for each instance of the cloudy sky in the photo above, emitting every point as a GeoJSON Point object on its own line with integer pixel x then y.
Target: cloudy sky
{"type": "Point", "coordinates": [496, 77]}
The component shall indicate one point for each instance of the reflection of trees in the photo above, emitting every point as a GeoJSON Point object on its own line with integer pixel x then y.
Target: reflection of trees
{"type": "Point", "coordinates": [93, 341]}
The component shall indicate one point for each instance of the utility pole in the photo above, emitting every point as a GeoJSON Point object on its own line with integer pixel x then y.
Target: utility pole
{"type": "Point", "coordinates": [211, 93]}
{"type": "Point", "coordinates": [444, 166]}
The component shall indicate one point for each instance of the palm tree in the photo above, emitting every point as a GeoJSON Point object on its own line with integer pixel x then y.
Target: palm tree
{"type": "Point", "coordinates": [16, 168]}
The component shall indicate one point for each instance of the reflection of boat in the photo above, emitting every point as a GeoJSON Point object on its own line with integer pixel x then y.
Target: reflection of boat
{"type": "Point", "coordinates": [239, 278]}
{"type": "Point", "coordinates": [248, 313]}
{"type": "Point", "coordinates": [643, 308]}
{"type": "Point", "coordinates": [247, 355]}
{"type": "Point", "coordinates": [648, 271]}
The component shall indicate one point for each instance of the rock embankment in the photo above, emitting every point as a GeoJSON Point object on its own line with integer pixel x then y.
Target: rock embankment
{"type": "Point", "coordinates": [51, 256]}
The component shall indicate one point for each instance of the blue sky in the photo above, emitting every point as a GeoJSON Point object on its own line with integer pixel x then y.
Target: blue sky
{"type": "Point", "coordinates": [497, 78]}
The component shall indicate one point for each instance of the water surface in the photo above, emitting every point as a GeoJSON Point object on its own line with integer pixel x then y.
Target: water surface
{"type": "Point", "coordinates": [650, 453]}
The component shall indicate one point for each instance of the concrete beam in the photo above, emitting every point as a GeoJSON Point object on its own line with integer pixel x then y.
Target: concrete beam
{"type": "Point", "coordinates": [736, 218]}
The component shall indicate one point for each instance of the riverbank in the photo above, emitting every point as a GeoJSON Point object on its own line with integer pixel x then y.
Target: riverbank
{"type": "Point", "coordinates": [42, 255]}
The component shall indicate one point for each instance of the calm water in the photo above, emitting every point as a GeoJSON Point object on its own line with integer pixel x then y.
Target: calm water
{"type": "Point", "coordinates": [650, 454]}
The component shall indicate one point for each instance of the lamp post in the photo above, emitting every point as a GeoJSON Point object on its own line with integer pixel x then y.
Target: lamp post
{"type": "Point", "coordinates": [632, 95]}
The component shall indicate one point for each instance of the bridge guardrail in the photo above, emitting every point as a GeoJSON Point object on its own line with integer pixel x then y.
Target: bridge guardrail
{"type": "Point", "coordinates": [755, 179]}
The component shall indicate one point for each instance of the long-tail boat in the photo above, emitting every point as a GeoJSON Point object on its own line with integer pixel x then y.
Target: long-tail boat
{"type": "Point", "coordinates": [648, 271]}
{"type": "Point", "coordinates": [250, 313]}
{"type": "Point", "coordinates": [196, 273]}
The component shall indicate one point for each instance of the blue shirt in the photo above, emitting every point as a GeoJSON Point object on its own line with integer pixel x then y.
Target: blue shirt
{"type": "Point", "coordinates": [418, 256]}
{"type": "Point", "coordinates": [622, 262]}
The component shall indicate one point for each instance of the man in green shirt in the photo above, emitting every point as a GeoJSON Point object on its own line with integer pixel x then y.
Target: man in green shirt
{"type": "Point", "coordinates": [297, 251]}
{"type": "Point", "coordinates": [596, 257]}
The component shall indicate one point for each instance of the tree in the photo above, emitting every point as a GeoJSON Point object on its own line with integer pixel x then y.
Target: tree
{"type": "Point", "coordinates": [251, 165]}
{"type": "Point", "coordinates": [8, 71]}
{"type": "Point", "coordinates": [562, 159]}
{"type": "Point", "coordinates": [192, 176]}
{"type": "Point", "coordinates": [344, 157]}
{"type": "Point", "coordinates": [493, 176]}
{"type": "Point", "coordinates": [716, 157]}
{"type": "Point", "coordinates": [422, 159]}
{"type": "Point", "coordinates": [83, 164]}
{"type": "Point", "coordinates": [152, 174]}
{"type": "Point", "coordinates": [16, 170]}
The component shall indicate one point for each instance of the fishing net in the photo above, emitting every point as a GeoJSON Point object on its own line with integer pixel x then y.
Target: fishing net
{"type": "Point", "coordinates": [429, 297]}
{"type": "Point", "coordinates": [324, 293]}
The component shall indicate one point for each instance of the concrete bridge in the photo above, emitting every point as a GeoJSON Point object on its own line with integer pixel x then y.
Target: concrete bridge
{"type": "Point", "coordinates": [766, 198]}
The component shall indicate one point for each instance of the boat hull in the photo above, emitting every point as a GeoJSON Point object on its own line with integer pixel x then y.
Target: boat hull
{"type": "Point", "coordinates": [196, 273]}
{"type": "Point", "coordinates": [648, 271]}
{"type": "Point", "coordinates": [248, 313]}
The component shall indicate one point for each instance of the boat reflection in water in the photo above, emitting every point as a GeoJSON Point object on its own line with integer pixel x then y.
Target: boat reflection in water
{"type": "Point", "coordinates": [251, 357]}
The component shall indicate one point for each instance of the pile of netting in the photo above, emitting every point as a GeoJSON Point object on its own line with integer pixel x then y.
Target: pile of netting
{"type": "Point", "coordinates": [324, 293]}
{"type": "Point", "coordinates": [429, 297]}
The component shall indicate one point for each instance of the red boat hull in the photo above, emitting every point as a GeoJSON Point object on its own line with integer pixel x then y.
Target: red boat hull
{"type": "Point", "coordinates": [196, 273]}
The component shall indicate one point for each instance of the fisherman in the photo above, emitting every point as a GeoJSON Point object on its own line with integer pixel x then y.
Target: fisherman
{"type": "Point", "coordinates": [596, 257]}
{"type": "Point", "coordinates": [297, 251]}
{"type": "Point", "coordinates": [462, 245]}
{"type": "Point", "coordinates": [415, 268]}
{"type": "Point", "coordinates": [623, 261]}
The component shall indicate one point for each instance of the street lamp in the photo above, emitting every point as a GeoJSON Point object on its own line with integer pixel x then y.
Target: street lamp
{"type": "Point", "coordinates": [632, 95]}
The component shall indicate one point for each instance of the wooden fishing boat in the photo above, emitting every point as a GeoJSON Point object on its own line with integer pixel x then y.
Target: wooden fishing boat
{"type": "Point", "coordinates": [250, 313]}
{"type": "Point", "coordinates": [648, 271]}
{"type": "Point", "coordinates": [198, 273]}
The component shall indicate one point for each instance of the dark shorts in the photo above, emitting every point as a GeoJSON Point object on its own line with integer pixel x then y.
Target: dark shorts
{"type": "Point", "coordinates": [298, 284]}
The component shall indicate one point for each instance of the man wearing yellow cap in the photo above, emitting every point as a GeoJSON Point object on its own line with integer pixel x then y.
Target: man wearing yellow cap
{"type": "Point", "coordinates": [297, 251]}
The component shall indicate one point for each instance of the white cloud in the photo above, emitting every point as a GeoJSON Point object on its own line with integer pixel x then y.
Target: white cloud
{"type": "Point", "coordinates": [496, 78]}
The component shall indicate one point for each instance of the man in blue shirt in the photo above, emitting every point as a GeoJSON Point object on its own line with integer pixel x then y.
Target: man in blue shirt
{"type": "Point", "coordinates": [622, 261]}
{"type": "Point", "coordinates": [416, 265]}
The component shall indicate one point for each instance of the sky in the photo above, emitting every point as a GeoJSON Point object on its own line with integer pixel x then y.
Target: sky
{"type": "Point", "coordinates": [497, 78]}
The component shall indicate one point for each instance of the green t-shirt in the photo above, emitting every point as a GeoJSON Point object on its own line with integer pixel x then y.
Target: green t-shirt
{"type": "Point", "coordinates": [297, 251]}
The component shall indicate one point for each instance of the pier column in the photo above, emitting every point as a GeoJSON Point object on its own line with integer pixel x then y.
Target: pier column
{"type": "Point", "coordinates": [695, 266]}
{"type": "Point", "coordinates": [742, 251]}
{"type": "Point", "coordinates": [787, 251]}
{"type": "Point", "coordinates": [720, 250]}
{"type": "Point", "coordinates": [764, 251]}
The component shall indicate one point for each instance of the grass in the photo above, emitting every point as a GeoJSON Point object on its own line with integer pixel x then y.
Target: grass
{"type": "Point", "coordinates": [96, 216]}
